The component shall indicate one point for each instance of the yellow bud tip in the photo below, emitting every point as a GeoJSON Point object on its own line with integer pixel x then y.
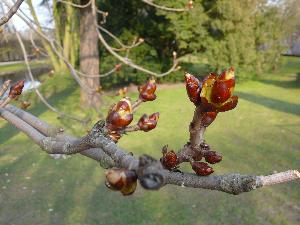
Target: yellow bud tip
{"type": "Point", "coordinates": [187, 75]}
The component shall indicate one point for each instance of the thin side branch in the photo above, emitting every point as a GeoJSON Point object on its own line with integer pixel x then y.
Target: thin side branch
{"type": "Point", "coordinates": [75, 5]}
{"type": "Point", "coordinates": [164, 7]}
{"type": "Point", "coordinates": [282, 177]}
{"type": "Point", "coordinates": [11, 12]}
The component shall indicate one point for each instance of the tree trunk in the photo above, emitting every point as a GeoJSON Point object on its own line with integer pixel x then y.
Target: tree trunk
{"type": "Point", "coordinates": [89, 56]}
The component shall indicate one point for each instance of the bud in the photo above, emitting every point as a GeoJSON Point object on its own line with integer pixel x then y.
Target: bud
{"type": "Point", "coordinates": [212, 157]}
{"type": "Point", "coordinates": [16, 89]}
{"type": "Point", "coordinates": [193, 88]}
{"type": "Point", "coordinates": [216, 93]}
{"type": "Point", "coordinates": [51, 73]}
{"type": "Point", "coordinates": [208, 118]}
{"type": "Point", "coordinates": [148, 123]}
{"type": "Point", "coordinates": [118, 67]}
{"type": "Point", "coordinates": [120, 115]}
{"type": "Point", "coordinates": [174, 54]}
{"type": "Point", "coordinates": [169, 160]}
{"type": "Point", "coordinates": [98, 89]}
{"type": "Point", "coordinates": [147, 91]}
{"type": "Point", "coordinates": [190, 5]}
{"type": "Point", "coordinates": [122, 92]}
{"type": "Point", "coordinates": [121, 180]}
{"type": "Point", "coordinates": [202, 168]}
{"type": "Point", "coordinates": [115, 135]}
{"type": "Point", "coordinates": [25, 104]}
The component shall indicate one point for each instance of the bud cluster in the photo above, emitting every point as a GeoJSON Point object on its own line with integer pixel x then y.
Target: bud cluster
{"type": "Point", "coordinates": [121, 114]}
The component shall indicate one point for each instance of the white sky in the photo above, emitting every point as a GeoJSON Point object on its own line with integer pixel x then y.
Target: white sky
{"type": "Point", "coordinates": [42, 12]}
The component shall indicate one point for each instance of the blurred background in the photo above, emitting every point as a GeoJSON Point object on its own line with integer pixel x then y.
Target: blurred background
{"type": "Point", "coordinates": [260, 38]}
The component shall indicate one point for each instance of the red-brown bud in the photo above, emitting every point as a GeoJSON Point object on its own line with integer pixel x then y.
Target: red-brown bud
{"type": "Point", "coordinates": [212, 157]}
{"type": "Point", "coordinates": [148, 123]}
{"type": "Point", "coordinates": [120, 115]}
{"type": "Point", "coordinates": [169, 160]}
{"type": "Point", "coordinates": [193, 88]}
{"type": "Point", "coordinates": [208, 118]}
{"type": "Point", "coordinates": [202, 168]}
{"type": "Point", "coordinates": [229, 105]}
{"type": "Point", "coordinates": [121, 180]}
{"type": "Point", "coordinates": [147, 91]}
{"type": "Point", "coordinates": [216, 93]}
{"type": "Point", "coordinates": [115, 135]}
{"type": "Point", "coordinates": [118, 67]}
{"type": "Point", "coordinates": [16, 89]}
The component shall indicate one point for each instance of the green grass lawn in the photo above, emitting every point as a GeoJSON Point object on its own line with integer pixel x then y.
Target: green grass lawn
{"type": "Point", "coordinates": [260, 136]}
{"type": "Point", "coordinates": [21, 66]}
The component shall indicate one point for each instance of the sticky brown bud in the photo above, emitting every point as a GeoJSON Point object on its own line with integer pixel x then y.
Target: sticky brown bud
{"type": "Point", "coordinates": [120, 115]}
{"type": "Point", "coordinates": [202, 168]}
{"type": "Point", "coordinates": [193, 88]}
{"type": "Point", "coordinates": [148, 123]}
{"type": "Point", "coordinates": [169, 160]}
{"type": "Point", "coordinates": [16, 89]}
{"type": "Point", "coordinates": [147, 91]}
{"type": "Point", "coordinates": [212, 157]}
{"type": "Point", "coordinates": [121, 180]}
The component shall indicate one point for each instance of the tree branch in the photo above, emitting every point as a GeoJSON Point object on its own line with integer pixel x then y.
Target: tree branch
{"type": "Point", "coordinates": [164, 7]}
{"type": "Point", "coordinates": [150, 172]}
{"type": "Point", "coordinates": [11, 12]}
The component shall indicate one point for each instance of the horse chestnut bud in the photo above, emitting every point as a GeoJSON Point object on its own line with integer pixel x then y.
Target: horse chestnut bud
{"type": "Point", "coordinates": [169, 160]}
{"type": "Point", "coordinates": [120, 115]}
{"type": "Point", "coordinates": [202, 168]}
{"type": "Point", "coordinates": [121, 180]}
{"type": "Point", "coordinates": [193, 88]}
{"type": "Point", "coordinates": [147, 91]}
{"type": "Point", "coordinates": [16, 89]}
{"type": "Point", "coordinates": [148, 123]}
{"type": "Point", "coordinates": [212, 157]}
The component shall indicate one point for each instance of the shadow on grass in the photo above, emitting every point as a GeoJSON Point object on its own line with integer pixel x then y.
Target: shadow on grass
{"type": "Point", "coordinates": [284, 84]}
{"type": "Point", "coordinates": [271, 103]}
{"type": "Point", "coordinates": [37, 110]}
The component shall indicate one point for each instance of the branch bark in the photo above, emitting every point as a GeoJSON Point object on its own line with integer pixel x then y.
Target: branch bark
{"type": "Point", "coordinates": [12, 11]}
{"type": "Point", "coordinates": [97, 146]}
